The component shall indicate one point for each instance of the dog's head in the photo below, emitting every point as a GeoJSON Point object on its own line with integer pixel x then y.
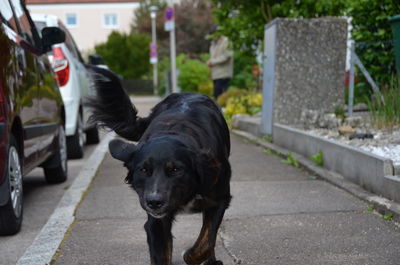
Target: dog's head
{"type": "Point", "coordinates": [165, 172]}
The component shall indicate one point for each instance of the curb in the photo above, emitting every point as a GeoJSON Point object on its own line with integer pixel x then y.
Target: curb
{"type": "Point", "coordinates": [46, 243]}
{"type": "Point", "coordinates": [381, 204]}
{"type": "Point", "coordinates": [365, 169]}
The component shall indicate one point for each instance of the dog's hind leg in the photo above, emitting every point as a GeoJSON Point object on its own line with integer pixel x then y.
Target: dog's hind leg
{"type": "Point", "coordinates": [203, 249]}
{"type": "Point", "coordinates": [159, 239]}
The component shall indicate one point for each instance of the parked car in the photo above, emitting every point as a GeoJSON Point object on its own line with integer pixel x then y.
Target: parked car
{"type": "Point", "coordinates": [75, 86]}
{"type": "Point", "coordinates": [32, 113]}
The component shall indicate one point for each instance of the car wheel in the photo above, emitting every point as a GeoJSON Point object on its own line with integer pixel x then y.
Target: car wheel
{"type": "Point", "coordinates": [11, 212]}
{"type": "Point", "coordinates": [92, 136]}
{"type": "Point", "coordinates": [76, 142]}
{"type": "Point", "coordinates": [57, 169]}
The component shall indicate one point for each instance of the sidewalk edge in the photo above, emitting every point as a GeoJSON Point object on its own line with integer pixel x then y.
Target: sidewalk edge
{"type": "Point", "coordinates": [46, 243]}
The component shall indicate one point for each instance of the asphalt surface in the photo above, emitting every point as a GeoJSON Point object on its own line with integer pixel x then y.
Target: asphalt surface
{"type": "Point", "coordinates": [40, 200]}
{"type": "Point", "coordinates": [279, 215]}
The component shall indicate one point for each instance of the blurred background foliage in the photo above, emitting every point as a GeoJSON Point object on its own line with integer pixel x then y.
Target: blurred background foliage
{"type": "Point", "coordinates": [243, 22]}
{"type": "Point", "coordinates": [374, 42]}
{"type": "Point", "coordinates": [126, 54]}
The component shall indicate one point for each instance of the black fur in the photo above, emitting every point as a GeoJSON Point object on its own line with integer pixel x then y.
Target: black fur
{"type": "Point", "coordinates": [179, 162]}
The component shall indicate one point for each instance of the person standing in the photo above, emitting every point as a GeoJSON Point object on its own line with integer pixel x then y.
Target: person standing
{"type": "Point", "coordinates": [220, 63]}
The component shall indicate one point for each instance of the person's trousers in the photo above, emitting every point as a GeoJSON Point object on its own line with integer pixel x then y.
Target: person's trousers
{"type": "Point", "coordinates": [220, 86]}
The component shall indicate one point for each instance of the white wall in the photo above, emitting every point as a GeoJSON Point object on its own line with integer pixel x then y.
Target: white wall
{"type": "Point", "coordinates": [90, 29]}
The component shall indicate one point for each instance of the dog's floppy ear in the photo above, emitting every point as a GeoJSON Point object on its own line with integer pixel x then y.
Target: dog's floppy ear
{"type": "Point", "coordinates": [121, 150]}
{"type": "Point", "coordinates": [208, 170]}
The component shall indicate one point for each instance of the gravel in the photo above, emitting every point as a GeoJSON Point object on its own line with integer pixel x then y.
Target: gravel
{"type": "Point", "coordinates": [386, 142]}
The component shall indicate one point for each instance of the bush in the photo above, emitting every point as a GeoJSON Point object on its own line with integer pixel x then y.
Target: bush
{"type": "Point", "coordinates": [223, 98]}
{"type": "Point", "coordinates": [126, 54]}
{"type": "Point", "coordinates": [242, 71]}
{"type": "Point", "coordinates": [192, 75]}
{"type": "Point", "coordinates": [249, 103]}
{"type": "Point", "coordinates": [206, 88]}
{"type": "Point", "coordinates": [372, 32]}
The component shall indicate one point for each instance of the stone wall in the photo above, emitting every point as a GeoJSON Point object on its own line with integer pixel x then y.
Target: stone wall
{"type": "Point", "coordinates": [309, 66]}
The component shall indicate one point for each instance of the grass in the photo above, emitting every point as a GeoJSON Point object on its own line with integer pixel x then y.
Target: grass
{"type": "Point", "coordinates": [385, 106]}
{"type": "Point", "coordinates": [318, 158]}
{"type": "Point", "coordinates": [266, 138]}
{"type": "Point", "coordinates": [271, 152]}
{"type": "Point", "coordinates": [291, 160]}
{"type": "Point", "coordinates": [388, 217]}
{"type": "Point", "coordinates": [250, 141]}
{"type": "Point", "coordinates": [268, 152]}
{"type": "Point", "coordinates": [371, 208]}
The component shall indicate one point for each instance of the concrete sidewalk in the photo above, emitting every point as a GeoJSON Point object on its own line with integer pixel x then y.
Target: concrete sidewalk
{"type": "Point", "coordinates": [279, 215]}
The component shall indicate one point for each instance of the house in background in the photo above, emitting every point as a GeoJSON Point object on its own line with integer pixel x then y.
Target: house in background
{"type": "Point", "coordinates": [89, 21]}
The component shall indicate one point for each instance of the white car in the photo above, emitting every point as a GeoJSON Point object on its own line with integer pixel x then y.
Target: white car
{"type": "Point", "coordinates": [75, 85]}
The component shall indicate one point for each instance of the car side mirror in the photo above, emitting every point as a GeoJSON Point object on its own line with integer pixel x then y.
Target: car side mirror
{"type": "Point", "coordinates": [50, 36]}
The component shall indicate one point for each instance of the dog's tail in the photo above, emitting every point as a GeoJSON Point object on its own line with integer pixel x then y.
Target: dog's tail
{"type": "Point", "coordinates": [112, 107]}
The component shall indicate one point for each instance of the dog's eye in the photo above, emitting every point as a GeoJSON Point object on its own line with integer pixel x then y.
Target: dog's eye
{"type": "Point", "coordinates": [173, 170]}
{"type": "Point", "coordinates": [144, 170]}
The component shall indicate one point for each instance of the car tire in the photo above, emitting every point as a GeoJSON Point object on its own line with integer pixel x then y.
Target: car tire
{"type": "Point", "coordinates": [92, 136]}
{"type": "Point", "coordinates": [76, 142]}
{"type": "Point", "coordinates": [56, 170]}
{"type": "Point", "coordinates": [11, 213]}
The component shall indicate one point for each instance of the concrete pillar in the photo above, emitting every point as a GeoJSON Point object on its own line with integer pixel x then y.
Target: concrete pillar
{"type": "Point", "coordinates": [304, 68]}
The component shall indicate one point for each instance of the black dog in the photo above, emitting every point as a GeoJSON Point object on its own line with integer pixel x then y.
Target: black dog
{"type": "Point", "coordinates": [180, 162]}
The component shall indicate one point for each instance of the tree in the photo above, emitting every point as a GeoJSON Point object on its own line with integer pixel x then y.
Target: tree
{"type": "Point", "coordinates": [193, 22]}
{"type": "Point", "coordinates": [193, 19]}
{"type": "Point", "coordinates": [126, 54]}
{"type": "Point", "coordinates": [244, 21]}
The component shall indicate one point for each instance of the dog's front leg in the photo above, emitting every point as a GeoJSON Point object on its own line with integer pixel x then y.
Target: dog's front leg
{"type": "Point", "coordinates": [159, 239]}
{"type": "Point", "coordinates": [203, 249]}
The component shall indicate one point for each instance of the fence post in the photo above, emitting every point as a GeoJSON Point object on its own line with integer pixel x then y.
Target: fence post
{"type": "Point", "coordinates": [351, 80]}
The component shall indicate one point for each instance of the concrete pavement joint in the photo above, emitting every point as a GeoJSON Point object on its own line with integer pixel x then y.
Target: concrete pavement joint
{"type": "Point", "coordinates": [46, 243]}
{"type": "Point", "coordinates": [236, 260]}
{"type": "Point", "coordinates": [383, 205]}
{"type": "Point", "coordinates": [293, 214]}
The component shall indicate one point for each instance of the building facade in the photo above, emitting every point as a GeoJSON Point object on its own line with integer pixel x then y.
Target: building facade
{"type": "Point", "coordinates": [89, 21]}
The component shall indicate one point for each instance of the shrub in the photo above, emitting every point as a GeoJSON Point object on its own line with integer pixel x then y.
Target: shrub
{"type": "Point", "coordinates": [244, 104]}
{"type": "Point", "coordinates": [242, 71]}
{"type": "Point", "coordinates": [372, 32]}
{"type": "Point", "coordinates": [223, 98]}
{"type": "Point", "coordinates": [126, 54]}
{"type": "Point", "coordinates": [206, 88]}
{"type": "Point", "coordinates": [192, 75]}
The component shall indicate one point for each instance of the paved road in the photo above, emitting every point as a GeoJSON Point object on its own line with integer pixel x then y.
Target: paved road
{"type": "Point", "coordinates": [279, 215]}
{"type": "Point", "coordinates": [40, 201]}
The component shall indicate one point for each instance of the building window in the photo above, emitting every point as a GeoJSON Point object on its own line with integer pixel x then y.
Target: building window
{"type": "Point", "coordinates": [110, 20]}
{"type": "Point", "coordinates": [71, 20]}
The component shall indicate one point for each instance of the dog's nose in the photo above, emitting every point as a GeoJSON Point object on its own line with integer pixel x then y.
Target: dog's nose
{"type": "Point", "coordinates": [154, 201]}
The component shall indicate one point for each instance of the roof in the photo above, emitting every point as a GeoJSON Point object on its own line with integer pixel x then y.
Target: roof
{"type": "Point", "coordinates": [52, 2]}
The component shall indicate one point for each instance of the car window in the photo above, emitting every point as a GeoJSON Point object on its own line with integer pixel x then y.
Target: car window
{"type": "Point", "coordinates": [6, 15]}
{"type": "Point", "coordinates": [69, 41]}
{"type": "Point", "coordinates": [28, 32]}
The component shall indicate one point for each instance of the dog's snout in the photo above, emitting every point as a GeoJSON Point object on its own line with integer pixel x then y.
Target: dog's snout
{"type": "Point", "coordinates": [155, 201]}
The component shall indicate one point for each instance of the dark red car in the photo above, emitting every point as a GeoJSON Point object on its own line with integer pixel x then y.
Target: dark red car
{"type": "Point", "coordinates": [32, 115]}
